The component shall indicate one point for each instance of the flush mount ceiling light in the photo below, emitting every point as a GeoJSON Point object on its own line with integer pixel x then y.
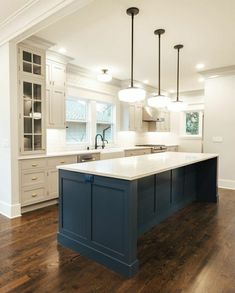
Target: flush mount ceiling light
{"type": "Point", "coordinates": [133, 93]}
{"type": "Point", "coordinates": [158, 100]}
{"type": "Point", "coordinates": [104, 76]}
{"type": "Point", "coordinates": [177, 106]}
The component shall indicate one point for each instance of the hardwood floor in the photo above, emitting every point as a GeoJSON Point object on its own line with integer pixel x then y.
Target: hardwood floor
{"type": "Point", "coordinates": [191, 252]}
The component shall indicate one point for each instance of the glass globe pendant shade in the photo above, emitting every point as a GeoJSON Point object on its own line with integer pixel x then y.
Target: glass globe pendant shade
{"type": "Point", "coordinates": [158, 101]}
{"type": "Point", "coordinates": [131, 94]}
{"type": "Point", "coordinates": [177, 106]}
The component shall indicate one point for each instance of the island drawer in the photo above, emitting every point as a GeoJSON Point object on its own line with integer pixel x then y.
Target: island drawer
{"type": "Point", "coordinates": [33, 164]}
{"type": "Point", "coordinates": [31, 196]}
{"type": "Point", "coordinates": [32, 178]}
{"type": "Point", "coordinates": [56, 161]}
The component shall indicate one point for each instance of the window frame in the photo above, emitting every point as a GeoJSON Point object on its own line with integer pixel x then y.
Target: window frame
{"type": "Point", "coordinates": [183, 124]}
{"type": "Point", "coordinates": [78, 121]}
{"type": "Point", "coordinates": [112, 123]}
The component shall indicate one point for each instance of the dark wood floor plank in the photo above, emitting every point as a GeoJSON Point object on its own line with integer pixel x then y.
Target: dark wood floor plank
{"type": "Point", "coordinates": [191, 252]}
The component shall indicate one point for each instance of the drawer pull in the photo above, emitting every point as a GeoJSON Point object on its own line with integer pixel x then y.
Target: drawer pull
{"type": "Point", "coordinates": [34, 178]}
{"type": "Point", "coordinates": [62, 162]}
{"type": "Point", "coordinates": [34, 165]}
{"type": "Point", "coordinates": [34, 194]}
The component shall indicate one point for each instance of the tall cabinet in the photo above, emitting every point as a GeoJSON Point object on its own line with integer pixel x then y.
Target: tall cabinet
{"type": "Point", "coordinates": [31, 69]}
{"type": "Point", "coordinates": [56, 89]}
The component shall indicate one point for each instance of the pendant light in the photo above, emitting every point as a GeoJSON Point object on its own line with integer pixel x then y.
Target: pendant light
{"type": "Point", "coordinates": [104, 76]}
{"type": "Point", "coordinates": [177, 106]}
{"type": "Point", "coordinates": [158, 100]}
{"type": "Point", "coordinates": [132, 94]}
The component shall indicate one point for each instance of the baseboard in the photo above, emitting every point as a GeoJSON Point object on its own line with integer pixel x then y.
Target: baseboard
{"type": "Point", "coordinates": [37, 206]}
{"type": "Point", "coordinates": [10, 211]}
{"type": "Point", "coordinates": [227, 184]}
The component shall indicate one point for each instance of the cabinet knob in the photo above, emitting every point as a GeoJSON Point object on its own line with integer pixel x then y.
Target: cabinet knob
{"type": "Point", "coordinates": [34, 194]}
{"type": "Point", "coordinates": [62, 162]}
{"type": "Point", "coordinates": [34, 165]}
{"type": "Point", "coordinates": [34, 178]}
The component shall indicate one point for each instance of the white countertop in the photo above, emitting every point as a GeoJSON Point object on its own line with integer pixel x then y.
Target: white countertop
{"type": "Point", "coordinates": [131, 168]}
{"type": "Point", "coordinates": [80, 152]}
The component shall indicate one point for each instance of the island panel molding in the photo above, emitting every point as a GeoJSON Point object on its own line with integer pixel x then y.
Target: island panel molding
{"type": "Point", "coordinates": [101, 217]}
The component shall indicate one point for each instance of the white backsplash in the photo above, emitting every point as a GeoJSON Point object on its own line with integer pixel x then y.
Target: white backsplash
{"type": "Point", "coordinates": [56, 139]}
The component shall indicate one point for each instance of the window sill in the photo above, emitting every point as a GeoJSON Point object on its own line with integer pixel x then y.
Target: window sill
{"type": "Point", "coordinates": [191, 137]}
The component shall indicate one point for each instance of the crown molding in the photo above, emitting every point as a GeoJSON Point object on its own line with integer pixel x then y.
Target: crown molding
{"type": "Point", "coordinates": [57, 57]}
{"type": "Point", "coordinates": [218, 72]}
{"type": "Point", "coordinates": [36, 15]}
{"type": "Point", "coordinates": [39, 42]}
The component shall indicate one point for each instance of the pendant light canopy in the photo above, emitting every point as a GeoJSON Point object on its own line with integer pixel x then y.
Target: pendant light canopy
{"type": "Point", "coordinates": [158, 100]}
{"type": "Point", "coordinates": [177, 106]}
{"type": "Point", "coordinates": [132, 94]}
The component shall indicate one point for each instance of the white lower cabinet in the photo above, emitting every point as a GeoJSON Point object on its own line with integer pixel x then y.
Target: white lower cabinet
{"type": "Point", "coordinates": [39, 178]}
{"type": "Point", "coordinates": [52, 183]}
{"type": "Point", "coordinates": [137, 152]}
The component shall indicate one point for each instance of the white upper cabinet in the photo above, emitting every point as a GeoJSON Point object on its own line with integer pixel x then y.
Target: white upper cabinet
{"type": "Point", "coordinates": [131, 117]}
{"type": "Point", "coordinates": [55, 79]}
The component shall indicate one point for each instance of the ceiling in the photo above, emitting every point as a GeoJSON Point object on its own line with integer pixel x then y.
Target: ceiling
{"type": "Point", "coordinates": [98, 36]}
{"type": "Point", "coordinates": [11, 7]}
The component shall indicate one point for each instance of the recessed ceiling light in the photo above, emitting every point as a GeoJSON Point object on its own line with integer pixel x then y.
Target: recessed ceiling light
{"type": "Point", "coordinates": [201, 79]}
{"type": "Point", "coordinates": [146, 81]}
{"type": "Point", "coordinates": [171, 91]}
{"type": "Point", "coordinates": [200, 66]}
{"type": "Point", "coordinates": [62, 50]}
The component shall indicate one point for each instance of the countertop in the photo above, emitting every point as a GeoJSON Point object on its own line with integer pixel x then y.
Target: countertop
{"type": "Point", "coordinates": [131, 168]}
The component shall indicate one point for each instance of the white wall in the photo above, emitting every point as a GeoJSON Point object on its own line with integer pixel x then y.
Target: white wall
{"type": "Point", "coordinates": [9, 194]}
{"type": "Point", "coordinates": [219, 125]}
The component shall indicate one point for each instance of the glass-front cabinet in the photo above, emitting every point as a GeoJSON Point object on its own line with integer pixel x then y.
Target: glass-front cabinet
{"type": "Point", "coordinates": [32, 99]}
{"type": "Point", "coordinates": [31, 62]}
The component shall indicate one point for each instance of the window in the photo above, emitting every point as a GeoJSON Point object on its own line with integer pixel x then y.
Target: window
{"type": "Point", "coordinates": [193, 123]}
{"type": "Point", "coordinates": [104, 120]}
{"type": "Point", "coordinates": [76, 120]}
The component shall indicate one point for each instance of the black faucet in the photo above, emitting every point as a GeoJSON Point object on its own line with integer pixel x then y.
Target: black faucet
{"type": "Point", "coordinates": [96, 139]}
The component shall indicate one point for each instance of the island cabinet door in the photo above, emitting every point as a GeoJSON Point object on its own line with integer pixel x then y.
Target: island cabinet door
{"type": "Point", "coordinates": [75, 205]}
{"type": "Point", "coordinates": [178, 177]}
{"type": "Point", "coordinates": [146, 200]}
{"type": "Point", "coordinates": [163, 193]}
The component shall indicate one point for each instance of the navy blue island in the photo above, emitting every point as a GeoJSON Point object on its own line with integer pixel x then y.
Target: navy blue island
{"type": "Point", "coordinates": [105, 205]}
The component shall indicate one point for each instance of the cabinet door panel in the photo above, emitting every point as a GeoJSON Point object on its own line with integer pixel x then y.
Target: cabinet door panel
{"type": "Point", "coordinates": [56, 109]}
{"type": "Point", "coordinates": [58, 76]}
{"type": "Point", "coordinates": [52, 183]}
{"type": "Point", "coordinates": [178, 176]}
{"type": "Point", "coordinates": [163, 192]}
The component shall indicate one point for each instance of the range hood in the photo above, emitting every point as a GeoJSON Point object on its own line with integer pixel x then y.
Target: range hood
{"type": "Point", "coordinates": [151, 115]}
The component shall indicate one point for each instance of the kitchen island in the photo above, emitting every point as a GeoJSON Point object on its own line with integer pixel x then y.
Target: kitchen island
{"type": "Point", "coordinates": [106, 205]}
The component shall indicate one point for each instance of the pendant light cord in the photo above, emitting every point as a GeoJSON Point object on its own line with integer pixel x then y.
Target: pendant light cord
{"type": "Point", "coordinates": [159, 64]}
{"type": "Point", "coordinates": [178, 75]}
{"type": "Point", "coordinates": [132, 49]}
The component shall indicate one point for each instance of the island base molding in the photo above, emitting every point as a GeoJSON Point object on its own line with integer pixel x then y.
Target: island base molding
{"type": "Point", "coordinates": [102, 217]}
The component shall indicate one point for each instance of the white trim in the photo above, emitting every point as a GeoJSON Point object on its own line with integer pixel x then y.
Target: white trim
{"type": "Point", "coordinates": [227, 184]}
{"type": "Point", "coordinates": [10, 211]}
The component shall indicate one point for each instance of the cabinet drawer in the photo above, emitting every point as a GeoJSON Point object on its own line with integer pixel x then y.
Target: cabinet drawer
{"type": "Point", "coordinates": [33, 164]}
{"type": "Point", "coordinates": [30, 178]}
{"type": "Point", "coordinates": [56, 161]}
{"type": "Point", "coordinates": [130, 153]}
{"type": "Point", "coordinates": [31, 196]}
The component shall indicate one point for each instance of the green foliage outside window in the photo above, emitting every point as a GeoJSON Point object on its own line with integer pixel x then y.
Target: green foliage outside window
{"type": "Point", "coordinates": [192, 123]}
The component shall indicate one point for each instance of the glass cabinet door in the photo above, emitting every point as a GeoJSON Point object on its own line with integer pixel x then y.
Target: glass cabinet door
{"type": "Point", "coordinates": [32, 120]}
{"type": "Point", "coordinates": [32, 63]}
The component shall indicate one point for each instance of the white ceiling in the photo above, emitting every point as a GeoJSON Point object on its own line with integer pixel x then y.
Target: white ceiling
{"type": "Point", "coordinates": [11, 7]}
{"type": "Point", "coordinates": [98, 36]}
